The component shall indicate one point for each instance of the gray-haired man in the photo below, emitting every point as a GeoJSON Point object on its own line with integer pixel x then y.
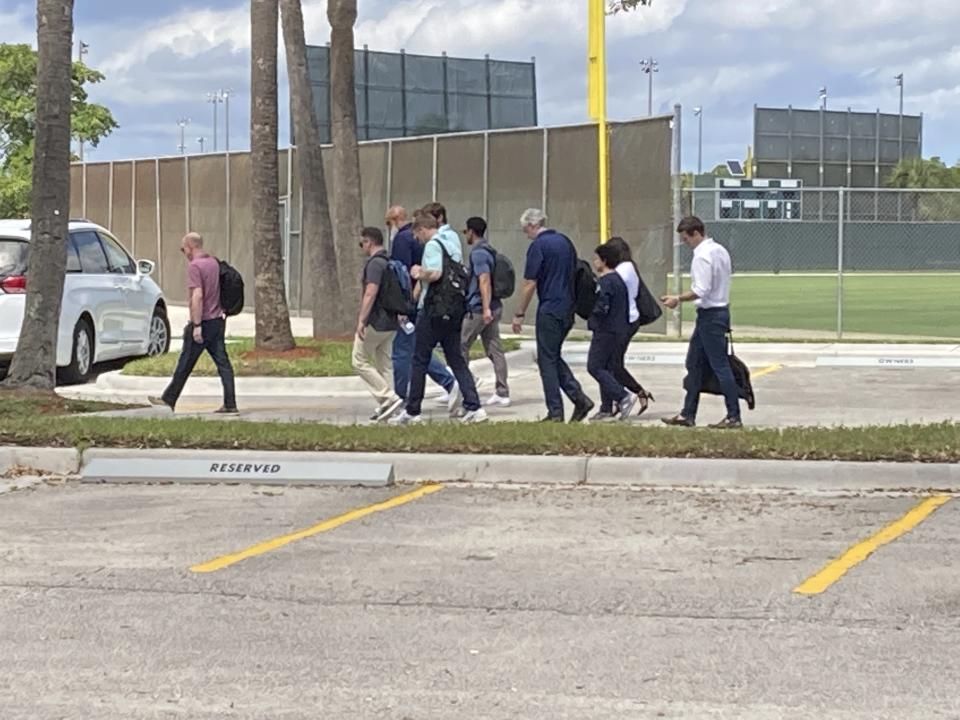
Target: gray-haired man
{"type": "Point", "coordinates": [550, 268]}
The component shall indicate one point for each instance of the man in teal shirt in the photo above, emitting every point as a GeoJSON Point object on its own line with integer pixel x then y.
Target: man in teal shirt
{"type": "Point", "coordinates": [432, 329]}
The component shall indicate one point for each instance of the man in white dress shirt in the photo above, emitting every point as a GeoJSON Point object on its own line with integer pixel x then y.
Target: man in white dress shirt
{"type": "Point", "coordinates": [710, 292]}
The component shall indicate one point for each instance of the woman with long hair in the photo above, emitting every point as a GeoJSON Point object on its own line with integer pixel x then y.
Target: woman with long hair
{"type": "Point", "coordinates": [628, 271]}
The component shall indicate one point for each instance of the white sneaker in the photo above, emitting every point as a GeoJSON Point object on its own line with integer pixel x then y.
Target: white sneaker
{"type": "Point", "coordinates": [443, 399]}
{"type": "Point", "coordinates": [405, 418]}
{"type": "Point", "coordinates": [454, 398]}
{"type": "Point", "coordinates": [498, 400]}
{"type": "Point", "coordinates": [475, 417]}
{"type": "Point", "coordinates": [389, 409]}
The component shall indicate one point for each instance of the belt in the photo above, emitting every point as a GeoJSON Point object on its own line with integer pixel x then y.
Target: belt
{"type": "Point", "coordinates": [712, 309]}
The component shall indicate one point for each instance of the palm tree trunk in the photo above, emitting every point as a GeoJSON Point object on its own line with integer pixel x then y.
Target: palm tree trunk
{"type": "Point", "coordinates": [329, 317]}
{"type": "Point", "coordinates": [272, 315]}
{"type": "Point", "coordinates": [347, 199]}
{"type": "Point", "coordinates": [35, 362]}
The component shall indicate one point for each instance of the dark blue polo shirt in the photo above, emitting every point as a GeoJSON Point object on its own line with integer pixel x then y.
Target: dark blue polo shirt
{"type": "Point", "coordinates": [551, 261]}
{"type": "Point", "coordinates": [406, 248]}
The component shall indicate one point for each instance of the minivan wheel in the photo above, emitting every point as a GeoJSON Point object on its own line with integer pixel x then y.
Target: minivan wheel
{"type": "Point", "coordinates": [81, 363]}
{"type": "Point", "coordinates": [159, 343]}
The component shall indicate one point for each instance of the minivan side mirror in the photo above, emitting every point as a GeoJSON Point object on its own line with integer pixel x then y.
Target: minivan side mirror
{"type": "Point", "coordinates": [145, 267]}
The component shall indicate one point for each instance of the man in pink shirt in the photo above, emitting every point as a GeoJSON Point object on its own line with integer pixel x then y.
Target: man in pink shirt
{"type": "Point", "coordinates": [207, 328]}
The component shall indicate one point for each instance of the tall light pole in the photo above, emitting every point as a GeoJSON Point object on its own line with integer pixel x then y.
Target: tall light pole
{"type": "Point", "coordinates": [215, 98]}
{"type": "Point", "coordinates": [899, 79]}
{"type": "Point", "coordinates": [182, 124]}
{"type": "Point", "coordinates": [225, 96]}
{"type": "Point", "coordinates": [650, 66]}
{"type": "Point", "coordinates": [823, 97]}
{"type": "Point", "coordinates": [82, 49]}
{"type": "Point", "coordinates": [698, 113]}
{"type": "Point", "coordinates": [200, 141]}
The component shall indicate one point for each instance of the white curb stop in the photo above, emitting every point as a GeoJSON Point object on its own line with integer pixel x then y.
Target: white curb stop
{"type": "Point", "coordinates": [232, 467]}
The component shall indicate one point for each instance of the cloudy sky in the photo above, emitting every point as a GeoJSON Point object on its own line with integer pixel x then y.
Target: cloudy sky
{"type": "Point", "coordinates": [161, 58]}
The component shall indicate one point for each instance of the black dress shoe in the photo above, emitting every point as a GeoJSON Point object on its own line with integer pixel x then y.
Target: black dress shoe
{"type": "Point", "coordinates": [226, 411]}
{"type": "Point", "coordinates": [582, 409]}
{"type": "Point", "coordinates": [678, 421]}
{"type": "Point", "coordinates": [552, 419]}
{"type": "Point", "coordinates": [728, 424]}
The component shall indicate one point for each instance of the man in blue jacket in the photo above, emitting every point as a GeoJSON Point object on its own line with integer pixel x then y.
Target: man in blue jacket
{"type": "Point", "coordinates": [550, 268]}
{"type": "Point", "coordinates": [408, 250]}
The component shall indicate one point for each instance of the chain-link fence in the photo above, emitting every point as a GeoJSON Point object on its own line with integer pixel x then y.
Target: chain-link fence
{"type": "Point", "coordinates": [844, 261]}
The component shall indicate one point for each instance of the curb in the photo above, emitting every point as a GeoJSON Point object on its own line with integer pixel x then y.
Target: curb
{"type": "Point", "coordinates": [524, 469]}
{"type": "Point", "coordinates": [39, 461]}
{"type": "Point", "coordinates": [114, 385]}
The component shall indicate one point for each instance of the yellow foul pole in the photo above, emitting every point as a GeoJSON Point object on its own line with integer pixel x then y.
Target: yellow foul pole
{"type": "Point", "coordinates": [597, 102]}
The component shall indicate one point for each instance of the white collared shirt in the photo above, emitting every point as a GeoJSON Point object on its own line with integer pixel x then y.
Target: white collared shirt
{"type": "Point", "coordinates": [710, 272]}
{"type": "Point", "coordinates": [628, 272]}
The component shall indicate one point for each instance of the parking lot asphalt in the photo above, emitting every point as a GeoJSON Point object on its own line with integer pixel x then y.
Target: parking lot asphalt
{"type": "Point", "coordinates": [461, 602]}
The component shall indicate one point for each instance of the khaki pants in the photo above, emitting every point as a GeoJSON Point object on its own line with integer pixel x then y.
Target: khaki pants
{"type": "Point", "coordinates": [489, 335]}
{"type": "Point", "coordinates": [371, 359]}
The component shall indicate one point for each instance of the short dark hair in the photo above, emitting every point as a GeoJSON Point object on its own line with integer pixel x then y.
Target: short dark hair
{"type": "Point", "coordinates": [609, 254]}
{"type": "Point", "coordinates": [425, 221]}
{"type": "Point", "coordinates": [478, 225]}
{"type": "Point", "coordinates": [373, 235]}
{"type": "Point", "coordinates": [691, 225]}
{"type": "Point", "coordinates": [437, 210]}
{"type": "Point", "coordinates": [621, 247]}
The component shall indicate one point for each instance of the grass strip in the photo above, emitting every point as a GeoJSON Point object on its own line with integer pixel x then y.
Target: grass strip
{"type": "Point", "coordinates": [311, 358]}
{"type": "Point", "coordinates": [40, 420]}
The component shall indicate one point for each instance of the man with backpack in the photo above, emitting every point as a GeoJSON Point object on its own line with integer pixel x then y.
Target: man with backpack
{"type": "Point", "coordinates": [406, 249]}
{"type": "Point", "coordinates": [443, 304]}
{"type": "Point", "coordinates": [552, 272]}
{"type": "Point", "coordinates": [382, 301]}
{"type": "Point", "coordinates": [207, 327]}
{"type": "Point", "coordinates": [485, 306]}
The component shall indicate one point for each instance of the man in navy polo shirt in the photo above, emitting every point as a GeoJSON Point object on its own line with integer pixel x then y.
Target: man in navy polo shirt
{"type": "Point", "coordinates": [550, 269]}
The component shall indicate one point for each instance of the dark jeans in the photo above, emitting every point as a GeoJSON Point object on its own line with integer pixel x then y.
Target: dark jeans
{"type": "Point", "coordinates": [555, 374]}
{"type": "Point", "coordinates": [708, 349]}
{"type": "Point", "coordinates": [403, 345]}
{"type": "Point", "coordinates": [624, 376]}
{"type": "Point", "coordinates": [446, 333]}
{"type": "Point", "coordinates": [603, 361]}
{"type": "Point", "coordinates": [215, 345]}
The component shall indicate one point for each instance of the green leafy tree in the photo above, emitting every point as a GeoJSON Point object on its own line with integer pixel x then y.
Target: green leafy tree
{"type": "Point", "coordinates": [921, 173]}
{"type": "Point", "coordinates": [90, 122]}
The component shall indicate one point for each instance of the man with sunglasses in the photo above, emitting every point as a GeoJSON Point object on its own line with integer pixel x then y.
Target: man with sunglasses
{"type": "Point", "coordinates": [376, 328]}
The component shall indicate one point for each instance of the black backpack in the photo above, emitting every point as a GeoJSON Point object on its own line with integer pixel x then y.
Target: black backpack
{"type": "Point", "coordinates": [231, 289]}
{"type": "Point", "coordinates": [584, 289]}
{"type": "Point", "coordinates": [503, 278]}
{"type": "Point", "coordinates": [395, 294]}
{"type": "Point", "coordinates": [447, 297]}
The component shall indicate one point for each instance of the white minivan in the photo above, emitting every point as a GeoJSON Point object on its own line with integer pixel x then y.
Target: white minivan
{"type": "Point", "coordinates": [111, 307]}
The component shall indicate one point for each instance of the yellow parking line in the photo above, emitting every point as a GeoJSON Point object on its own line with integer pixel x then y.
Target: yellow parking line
{"type": "Point", "coordinates": [770, 369]}
{"type": "Point", "coordinates": [270, 545]}
{"type": "Point", "coordinates": [861, 551]}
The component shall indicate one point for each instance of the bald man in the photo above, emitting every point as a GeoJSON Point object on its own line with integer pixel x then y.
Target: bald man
{"type": "Point", "coordinates": [207, 328]}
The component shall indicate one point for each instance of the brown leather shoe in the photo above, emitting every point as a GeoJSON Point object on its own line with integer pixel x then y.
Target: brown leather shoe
{"type": "Point", "coordinates": [728, 424]}
{"type": "Point", "coordinates": [678, 421]}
